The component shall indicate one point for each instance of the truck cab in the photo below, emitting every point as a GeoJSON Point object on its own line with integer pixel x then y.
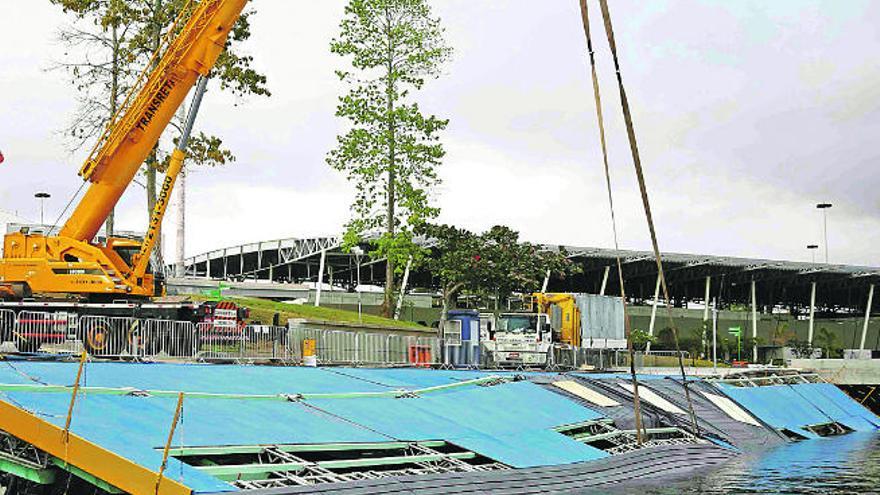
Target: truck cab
{"type": "Point", "coordinates": [517, 339]}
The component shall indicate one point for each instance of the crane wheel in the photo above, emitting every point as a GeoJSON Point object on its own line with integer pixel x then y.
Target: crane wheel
{"type": "Point", "coordinates": [99, 340]}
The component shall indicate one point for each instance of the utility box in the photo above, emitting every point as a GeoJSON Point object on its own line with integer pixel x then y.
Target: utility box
{"type": "Point", "coordinates": [461, 338]}
{"type": "Point", "coordinates": [602, 325]}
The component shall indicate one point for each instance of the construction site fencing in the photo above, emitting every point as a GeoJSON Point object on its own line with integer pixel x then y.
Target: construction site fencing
{"type": "Point", "coordinates": [368, 348]}
{"type": "Point", "coordinates": [7, 325]}
{"type": "Point", "coordinates": [151, 339]}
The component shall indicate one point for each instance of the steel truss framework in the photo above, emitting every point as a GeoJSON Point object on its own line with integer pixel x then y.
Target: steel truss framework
{"type": "Point", "coordinates": [25, 461]}
{"type": "Point", "coordinates": [602, 434]}
{"type": "Point", "coordinates": [276, 466]}
{"type": "Point", "coordinates": [766, 378]}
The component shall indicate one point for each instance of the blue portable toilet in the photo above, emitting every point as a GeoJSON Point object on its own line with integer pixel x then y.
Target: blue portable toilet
{"type": "Point", "coordinates": [465, 352]}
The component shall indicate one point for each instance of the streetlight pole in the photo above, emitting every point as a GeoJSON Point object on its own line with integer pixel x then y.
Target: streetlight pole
{"type": "Point", "coordinates": [824, 207]}
{"type": "Point", "coordinates": [812, 248]}
{"type": "Point", "coordinates": [42, 196]}
{"type": "Point", "coordinates": [714, 335]}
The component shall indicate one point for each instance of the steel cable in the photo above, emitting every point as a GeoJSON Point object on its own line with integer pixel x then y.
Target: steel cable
{"type": "Point", "coordinates": [626, 321]}
{"type": "Point", "coordinates": [637, 163]}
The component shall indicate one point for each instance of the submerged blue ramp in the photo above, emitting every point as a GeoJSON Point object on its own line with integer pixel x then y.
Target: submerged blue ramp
{"type": "Point", "coordinates": [837, 405]}
{"type": "Point", "coordinates": [511, 423]}
{"type": "Point", "coordinates": [794, 407]}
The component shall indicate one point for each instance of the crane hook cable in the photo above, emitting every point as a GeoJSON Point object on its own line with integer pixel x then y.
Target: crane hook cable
{"type": "Point", "coordinates": [634, 149]}
{"type": "Point", "coordinates": [640, 431]}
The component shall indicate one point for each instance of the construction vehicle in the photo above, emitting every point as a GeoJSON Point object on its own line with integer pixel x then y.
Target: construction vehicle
{"type": "Point", "coordinates": [528, 337]}
{"type": "Point", "coordinates": [71, 267]}
{"type": "Point", "coordinates": [564, 313]}
{"type": "Point", "coordinates": [551, 322]}
{"type": "Point", "coordinates": [516, 339]}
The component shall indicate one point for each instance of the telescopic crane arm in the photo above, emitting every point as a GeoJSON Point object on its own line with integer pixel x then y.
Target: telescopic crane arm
{"type": "Point", "coordinates": [72, 263]}
{"type": "Point", "coordinates": [122, 149]}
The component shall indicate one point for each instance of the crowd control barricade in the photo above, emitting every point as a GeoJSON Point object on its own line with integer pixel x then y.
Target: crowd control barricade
{"type": "Point", "coordinates": [218, 342]}
{"type": "Point", "coordinates": [265, 342]}
{"type": "Point", "coordinates": [112, 337]}
{"type": "Point", "coordinates": [164, 338]}
{"type": "Point", "coordinates": [7, 326]}
{"type": "Point", "coordinates": [32, 329]}
{"type": "Point", "coordinates": [109, 336]}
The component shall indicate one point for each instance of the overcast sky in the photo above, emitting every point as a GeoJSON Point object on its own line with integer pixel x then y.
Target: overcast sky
{"type": "Point", "coordinates": [748, 113]}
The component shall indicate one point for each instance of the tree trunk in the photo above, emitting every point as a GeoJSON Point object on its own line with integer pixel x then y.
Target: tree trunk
{"type": "Point", "coordinates": [444, 313]}
{"type": "Point", "coordinates": [392, 169]}
{"type": "Point", "coordinates": [109, 224]}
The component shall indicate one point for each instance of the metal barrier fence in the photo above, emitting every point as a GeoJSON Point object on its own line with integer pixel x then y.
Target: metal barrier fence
{"type": "Point", "coordinates": [151, 339]}
{"type": "Point", "coordinates": [365, 348]}
{"type": "Point", "coordinates": [7, 325]}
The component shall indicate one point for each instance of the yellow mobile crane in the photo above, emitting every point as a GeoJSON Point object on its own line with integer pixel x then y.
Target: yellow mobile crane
{"type": "Point", "coordinates": [72, 263]}
{"type": "Point", "coordinates": [569, 331]}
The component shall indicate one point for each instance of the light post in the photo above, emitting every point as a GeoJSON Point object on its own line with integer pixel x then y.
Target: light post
{"type": "Point", "coordinates": [358, 252]}
{"type": "Point", "coordinates": [824, 207]}
{"type": "Point", "coordinates": [812, 248]}
{"type": "Point", "coordinates": [42, 196]}
{"type": "Point", "coordinates": [715, 336]}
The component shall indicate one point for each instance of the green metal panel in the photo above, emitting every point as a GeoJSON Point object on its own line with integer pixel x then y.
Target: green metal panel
{"type": "Point", "coordinates": [24, 471]}
{"type": "Point", "coordinates": [79, 473]}
{"type": "Point", "coordinates": [318, 447]}
{"type": "Point", "coordinates": [254, 471]}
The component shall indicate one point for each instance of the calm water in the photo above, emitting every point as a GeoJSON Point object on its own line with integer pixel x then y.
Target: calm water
{"type": "Point", "coordinates": [847, 464]}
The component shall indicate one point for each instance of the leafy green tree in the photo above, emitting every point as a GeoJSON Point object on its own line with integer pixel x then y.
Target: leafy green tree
{"type": "Point", "coordinates": [692, 342]}
{"type": "Point", "coordinates": [782, 334]}
{"type": "Point", "coordinates": [509, 265]}
{"type": "Point", "coordinates": [392, 150]}
{"type": "Point", "coordinates": [108, 44]}
{"type": "Point", "coordinates": [829, 342]}
{"type": "Point", "coordinates": [455, 259]}
{"type": "Point", "coordinates": [102, 76]}
{"type": "Point", "coordinates": [800, 348]}
{"type": "Point", "coordinates": [640, 339]}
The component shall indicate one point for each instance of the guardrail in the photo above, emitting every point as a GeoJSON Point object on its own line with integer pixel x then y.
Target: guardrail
{"type": "Point", "coordinates": [150, 339]}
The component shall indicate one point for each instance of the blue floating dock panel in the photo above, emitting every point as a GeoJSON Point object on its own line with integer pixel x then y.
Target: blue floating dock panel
{"type": "Point", "coordinates": [779, 406]}
{"type": "Point", "coordinates": [474, 416]}
{"type": "Point", "coordinates": [531, 448]}
{"type": "Point", "coordinates": [796, 406]}
{"type": "Point", "coordinates": [838, 406]}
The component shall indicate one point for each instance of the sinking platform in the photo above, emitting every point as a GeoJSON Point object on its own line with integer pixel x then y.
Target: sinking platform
{"type": "Point", "coordinates": [291, 429]}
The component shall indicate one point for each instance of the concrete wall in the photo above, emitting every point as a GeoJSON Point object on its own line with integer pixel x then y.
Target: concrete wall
{"type": "Point", "coordinates": [848, 330]}
{"type": "Point", "coordinates": [843, 371]}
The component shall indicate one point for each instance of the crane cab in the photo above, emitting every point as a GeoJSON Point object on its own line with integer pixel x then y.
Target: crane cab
{"type": "Point", "coordinates": [34, 265]}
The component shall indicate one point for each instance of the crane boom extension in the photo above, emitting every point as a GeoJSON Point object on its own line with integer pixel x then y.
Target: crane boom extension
{"type": "Point", "coordinates": [73, 263]}
{"type": "Point", "coordinates": [120, 152]}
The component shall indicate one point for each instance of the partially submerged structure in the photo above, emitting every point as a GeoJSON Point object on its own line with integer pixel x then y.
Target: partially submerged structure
{"type": "Point", "coordinates": [357, 430]}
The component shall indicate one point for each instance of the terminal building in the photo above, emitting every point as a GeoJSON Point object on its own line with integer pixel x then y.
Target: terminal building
{"type": "Point", "coordinates": [771, 299]}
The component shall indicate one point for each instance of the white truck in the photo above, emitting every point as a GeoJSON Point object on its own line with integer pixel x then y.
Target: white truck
{"type": "Point", "coordinates": [516, 339]}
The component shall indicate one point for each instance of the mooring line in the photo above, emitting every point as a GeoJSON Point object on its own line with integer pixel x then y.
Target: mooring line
{"type": "Point", "coordinates": [637, 163]}
{"type": "Point", "coordinates": [585, 16]}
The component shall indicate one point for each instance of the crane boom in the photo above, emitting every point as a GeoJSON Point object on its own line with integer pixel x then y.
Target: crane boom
{"type": "Point", "coordinates": [120, 152]}
{"type": "Point", "coordinates": [73, 263]}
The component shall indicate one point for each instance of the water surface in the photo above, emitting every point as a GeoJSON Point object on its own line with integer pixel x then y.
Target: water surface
{"type": "Point", "coordinates": [846, 464]}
